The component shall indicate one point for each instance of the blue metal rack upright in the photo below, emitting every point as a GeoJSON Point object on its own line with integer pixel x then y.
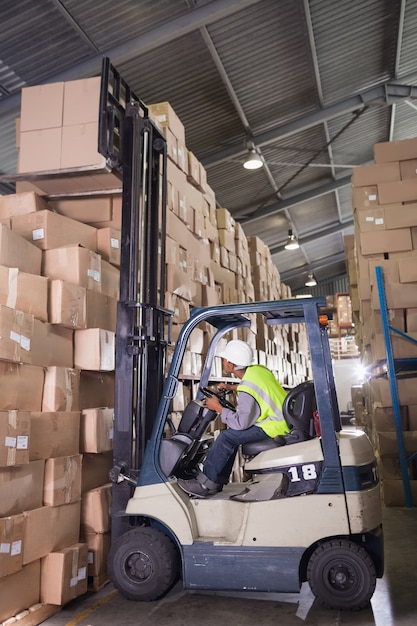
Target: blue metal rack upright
{"type": "Point", "coordinates": [393, 366]}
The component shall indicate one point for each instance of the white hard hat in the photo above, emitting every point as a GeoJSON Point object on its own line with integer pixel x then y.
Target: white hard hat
{"type": "Point", "coordinates": [239, 353]}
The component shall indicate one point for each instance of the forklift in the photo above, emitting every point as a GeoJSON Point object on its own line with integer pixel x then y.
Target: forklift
{"type": "Point", "coordinates": [308, 511]}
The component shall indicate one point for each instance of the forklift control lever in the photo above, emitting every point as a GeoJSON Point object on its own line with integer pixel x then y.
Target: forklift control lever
{"type": "Point", "coordinates": [209, 393]}
{"type": "Point", "coordinates": [118, 474]}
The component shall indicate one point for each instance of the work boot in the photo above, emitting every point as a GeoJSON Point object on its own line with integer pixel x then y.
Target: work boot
{"type": "Point", "coordinates": [200, 487]}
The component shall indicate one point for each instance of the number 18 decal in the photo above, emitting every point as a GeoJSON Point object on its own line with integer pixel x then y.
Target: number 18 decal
{"type": "Point", "coordinates": [308, 472]}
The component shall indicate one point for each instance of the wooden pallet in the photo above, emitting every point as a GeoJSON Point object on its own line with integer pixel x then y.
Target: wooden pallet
{"type": "Point", "coordinates": [95, 583]}
{"type": "Point", "coordinates": [35, 615]}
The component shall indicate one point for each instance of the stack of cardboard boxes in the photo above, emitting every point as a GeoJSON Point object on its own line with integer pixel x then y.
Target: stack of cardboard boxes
{"type": "Point", "coordinates": [385, 214]}
{"type": "Point", "coordinates": [59, 263]}
{"type": "Point", "coordinates": [57, 360]}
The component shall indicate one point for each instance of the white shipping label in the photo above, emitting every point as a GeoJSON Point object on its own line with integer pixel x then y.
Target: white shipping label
{"type": "Point", "coordinates": [74, 581]}
{"type": "Point", "coordinates": [10, 442]}
{"type": "Point", "coordinates": [94, 274]}
{"type": "Point", "coordinates": [82, 573]}
{"type": "Point", "coordinates": [4, 548]}
{"type": "Point", "coordinates": [369, 218]}
{"type": "Point", "coordinates": [25, 343]}
{"type": "Point", "coordinates": [16, 548]}
{"type": "Point", "coordinates": [22, 442]}
{"type": "Point", "coordinates": [15, 336]}
{"type": "Point", "coordinates": [111, 431]}
{"type": "Point", "coordinates": [379, 220]}
{"type": "Point", "coordinates": [90, 558]}
{"type": "Point", "coordinates": [38, 233]}
{"type": "Point", "coordinates": [114, 243]}
{"type": "Point", "coordinates": [372, 196]}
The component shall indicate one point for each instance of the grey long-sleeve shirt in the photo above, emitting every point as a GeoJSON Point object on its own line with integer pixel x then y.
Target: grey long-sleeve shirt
{"type": "Point", "coordinates": [246, 414]}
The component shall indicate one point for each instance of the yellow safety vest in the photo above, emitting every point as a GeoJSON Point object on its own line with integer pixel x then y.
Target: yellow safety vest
{"type": "Point", "coordinates": [261, 384]}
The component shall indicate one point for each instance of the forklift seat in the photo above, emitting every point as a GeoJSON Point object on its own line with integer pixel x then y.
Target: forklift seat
{"type": "Point", "coordinates": [298, 410]}
{"type": "Point", "coordinates": [181, 452]}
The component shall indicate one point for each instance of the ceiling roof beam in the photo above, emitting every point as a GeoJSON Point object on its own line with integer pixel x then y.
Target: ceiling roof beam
{"type": "Point", "coordinates": [246, 218]}
{"type": "Point", "coordinates": [385, 94]}
{"type": "Point", "coordinates": [324, 232]}
{"type": "Point", "coordinates": [312, 267]}
{"type": "Point", "coordinates": [169, 31]}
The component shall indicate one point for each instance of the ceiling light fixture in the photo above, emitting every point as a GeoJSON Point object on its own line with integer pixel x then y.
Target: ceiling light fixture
{"type": "Point", "coordinates": [253, 160]}
{"type": "Point", "coordinates": [311, 281]}
{"type": "Point", "coordinates": [292, 243]}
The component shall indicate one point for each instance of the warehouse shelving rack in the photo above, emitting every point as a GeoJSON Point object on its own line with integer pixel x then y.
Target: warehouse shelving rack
{"type": "Point", "coordinates": [394, 367]}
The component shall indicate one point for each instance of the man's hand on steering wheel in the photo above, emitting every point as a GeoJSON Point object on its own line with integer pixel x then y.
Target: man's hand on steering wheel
{"type": "Point", "coordinates": [213, 404]}
{"type": "Point", "coordinates": [219, 400]}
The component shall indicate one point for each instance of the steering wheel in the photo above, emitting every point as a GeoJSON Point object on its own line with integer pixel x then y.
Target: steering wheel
{"type": "Point", "coordinates": [209, 393]}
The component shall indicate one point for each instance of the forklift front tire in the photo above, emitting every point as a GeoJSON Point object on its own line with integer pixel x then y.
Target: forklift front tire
{"type": "Point", "coordinates": [143, 564]}
{"type": "Point", "coordinates": [341, 575]}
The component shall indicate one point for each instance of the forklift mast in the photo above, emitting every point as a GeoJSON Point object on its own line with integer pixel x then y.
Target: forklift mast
{"type": "Point", "coordinates": [134, 147]}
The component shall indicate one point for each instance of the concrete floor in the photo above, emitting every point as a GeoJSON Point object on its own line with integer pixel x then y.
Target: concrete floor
{"type": "Point", "coordinates": [394, 602]}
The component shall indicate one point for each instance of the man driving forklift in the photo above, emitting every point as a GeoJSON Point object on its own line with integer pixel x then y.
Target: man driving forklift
{"type": "Point", "coordinates": [257, 416]}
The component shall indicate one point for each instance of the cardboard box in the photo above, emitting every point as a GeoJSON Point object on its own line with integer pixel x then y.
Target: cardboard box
{"type": "Point", "coordinates": [101, 311]}
{"type": "Point", "coordinates": [110, 280]}
{"type": "Point", "coordinates": [95, 509]}
{"type": "Point", "coordinates": [21, 386]}
{"type": "Point", "coordinates": [11, 543]}
{"type": "Point", "coordinates": [94, 349]}
{"type": "Point", "coordinates": [193, 169]}
{"type": "Point", "coordinates": [73, 264]}
{"type": "Point", "coordinates": [85, 210]}
{"type": "Point", "coordinates": [96, 468]}
{"type": "Point", "coordinates": [64, 574]}
{"type": "Point", "coordinates": [397, 296]}
{"type": "Point", "coordinates": [16, 333]}
{"type": "Point", "coordinates": [115, 220]}
{"type": "Point", "coordinates": [406, 386]}
{"type": "Point", "coordinates": [96, 389]}
{"type": "Point", "coordinates": [52, 345]}
{"type": "Point", "coordinates": [25, 292]}
{"type": "Point", "coordinates": [42, 107]}
{"type": "Point", "coordinates": [48, 230]}
{"type": "Point", "coordinates": [14, 437]}
{"type": "Point", "coordinates": [62, 482]}
{"type": "Point", "coordinates": [407, 269]}
{"type": "Point", "coordinates": [400, 191]}
{"type": "Point", "coordinates": [54, 434]}
{"type": "Point", "coordinates": [79, 147]}
{"type": "Point", "coordinates": [21, 488]}
{"type": "Point", "coordinates": [20, 591]}
{"type": "Point", "coordinates": [50, 528]}
{"type": "Point", "coordinates": [61, 390]}
{"type": "Point", "coordinates": [408, 169]}
{"type": "Point", "coordinates": [15, 251]}
{"type": "Point", "coordinates": [21, 204]}
{"type": "Point", "coordinates": [365, 197]}
{"type": "Point", "coordinates": [402, 150]}
{"type": "Point", "coordinates": [165, 116]}
{"type": "Point", "coordinates": [366, 175]}
{"type": "Point", "coordinates": [81, 103]}
{"type": "Point", "coordinates": [397, 240]}
{"type": "Point", "coordinates": [98, 552]}
{"type": "Point", "coordinates": [67, 304]}
{"type": "Point", "coordinates": [32, 158]}
{"type": "Point", "coordinates": [96, 433]}
{"type": "Point", "coordinates": [108, 245]}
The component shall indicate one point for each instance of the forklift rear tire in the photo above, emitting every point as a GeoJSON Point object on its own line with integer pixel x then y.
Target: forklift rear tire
{"type": "Point", "coordinates": [341, 575]}
{"type": "Point", "coordinates": [143, 564]}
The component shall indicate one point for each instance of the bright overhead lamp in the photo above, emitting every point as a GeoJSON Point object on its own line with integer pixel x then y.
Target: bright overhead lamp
{"type": "Point", "coordinates": [292, 243]}
{"type": "Point", "coordinates": [311, 281]}
{"type": "Point", "coordinates": [253, 160]}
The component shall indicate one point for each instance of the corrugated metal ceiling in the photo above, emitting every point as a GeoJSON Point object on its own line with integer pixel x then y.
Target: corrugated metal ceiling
{"type": "Point", "coordinates": [283, 75]}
